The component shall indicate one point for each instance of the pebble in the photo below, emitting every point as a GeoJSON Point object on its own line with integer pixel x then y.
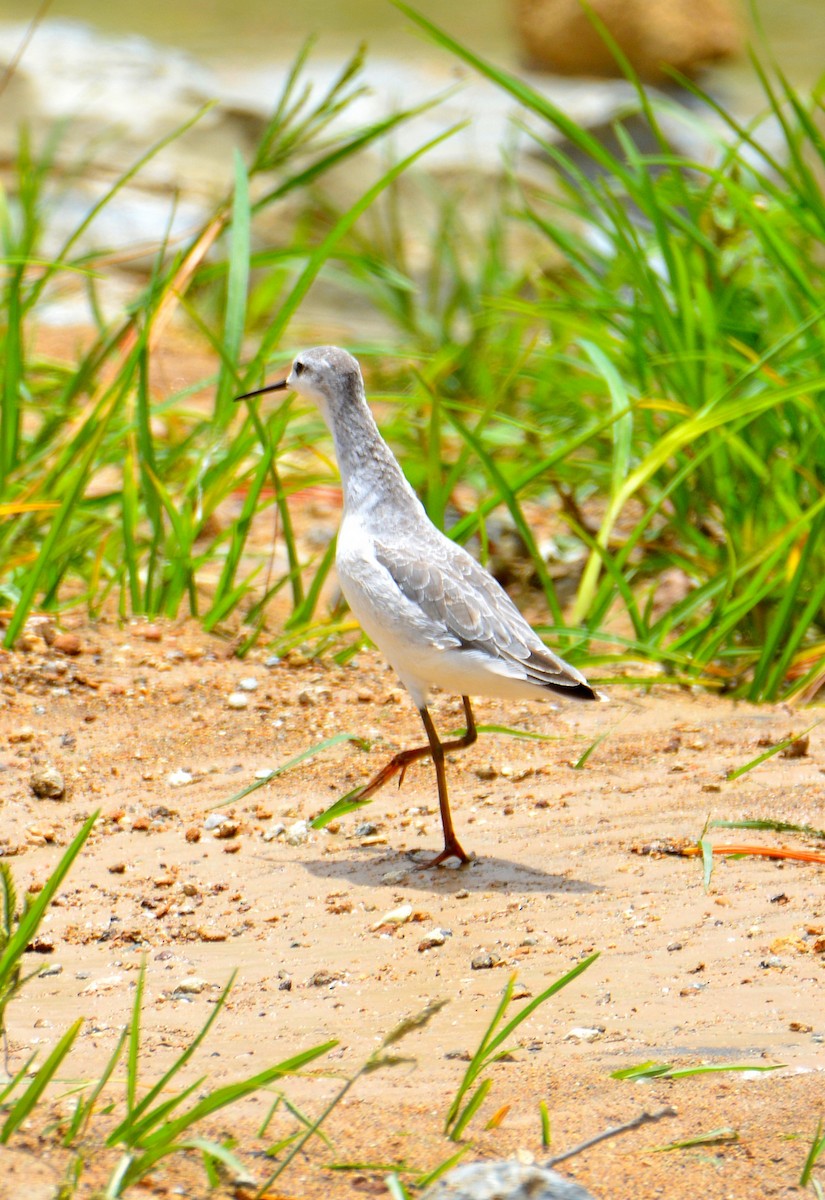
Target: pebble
{"type": "Point", "coordinates": [67, 643]}
{"type": "Point", "coordinates": [24, 734]}
{"type": "Point", "coordinates": [211, 935]}
{"type": "Point", "coordinates": [325, 978]}
{"type": "Point", "coordinates": [581, 1033]}
{"type": "Point", "coordinates": [40, 834]}
{"type": "Point", "coordinates": [228, 829]}
{"type": "Point", "coordinates": [192, 985]}
{"type": "Point", "coordinates": [179, 778]}
{"type": "Point", "coordinates": [297, 834]}
{"type": "Point", "coordinates": [107, 984]}
{"type": "Point", "coordinates": [391, 877]}
{"type": "Point", "coordinates": [263, 772]}
{"type": "Point", "coordinates": [396, 916]}
{"type": "Point", "coordinates": [249, 684]}
{"type": "Point", "coordinates": [47, 781]}
{"type": "Point", "coordinates": [51, 969]}
{"type": "Point", "coordinates": [436, 937]}
{"type": "Point", "coordinates": [797, 749]}
{"type": "Point", "coordinates": [238, 700]}
{"type": "Point", "coordinates": [482, 961]}
{"type": "Point", "coordinates": [274, 831]}
{"type": "Point", "coordinates": [365, 829]}
{"type": "Point", "coordinates": [214, 821]}
{"type": "Point", "coordinates": [513, 1180]}
{"type": "Point", "coordinates": [41, 944]}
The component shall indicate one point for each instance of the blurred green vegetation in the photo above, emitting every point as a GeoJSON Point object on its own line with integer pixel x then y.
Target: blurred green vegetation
{"type": "Point", "coordinates": [651, 381]}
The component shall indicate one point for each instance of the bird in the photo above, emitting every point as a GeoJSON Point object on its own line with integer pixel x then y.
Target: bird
{"type": "Point", "coordinates": [436, 614]}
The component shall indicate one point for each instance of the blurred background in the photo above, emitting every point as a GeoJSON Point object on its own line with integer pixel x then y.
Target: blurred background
{"type": "Point", "coordinates": [271, 30]}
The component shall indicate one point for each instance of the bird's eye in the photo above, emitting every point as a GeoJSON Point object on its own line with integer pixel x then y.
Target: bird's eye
{"type": "Point", "coordinates": [298, 367]}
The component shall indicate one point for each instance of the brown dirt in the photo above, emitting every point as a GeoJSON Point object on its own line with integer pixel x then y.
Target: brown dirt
{"type": "Point", "coordinates": [685, 976]}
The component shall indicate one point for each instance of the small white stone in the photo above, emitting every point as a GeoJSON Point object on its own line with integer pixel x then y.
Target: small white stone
{"type": "Point", "coordinates": [297, 834]}
{"type": "Point", "coordinates": [192, 985]}
{"type": "Point", "coordinates": [250, 684]}
{"type": "Point", "coordinates": [107, 984]}
{"type": "Point", "coordinates": [436, 937]}
{"type": "Point", "coordinates": [238, 700]}
{"type": "Point", "coordinates": [263, 772]}
{"type": "Point", "coordinates": [179, 778]}
{"type": "Point", "coordinates": [396, 916]}
{"type": "Point", "coordinates": [396, 876]}
{"type": "Point", "coordinates": [274, 831]}
{"type": "Point", "coordinates": [47, 781]}
{"type": "Point", "coordinates": [214, 821]}
{"type": "Point", "coordinates": [581, 1033]}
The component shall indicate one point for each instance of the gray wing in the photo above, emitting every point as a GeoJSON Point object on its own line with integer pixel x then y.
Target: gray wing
{"type": "Point", "coordinates": [453, 590]}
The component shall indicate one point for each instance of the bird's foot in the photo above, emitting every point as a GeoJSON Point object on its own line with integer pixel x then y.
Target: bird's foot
{"type": "Point", "coordinates": [452, 849]}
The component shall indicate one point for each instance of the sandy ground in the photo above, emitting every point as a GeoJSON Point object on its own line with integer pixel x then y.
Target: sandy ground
{"type": "Point", "coordinates": [138, 721]}
{"type": "Point", "coordinates": [684, 976]}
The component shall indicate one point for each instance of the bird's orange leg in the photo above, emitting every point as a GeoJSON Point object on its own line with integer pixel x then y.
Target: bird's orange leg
{"type": "Point", "coordinates": [435, 750]}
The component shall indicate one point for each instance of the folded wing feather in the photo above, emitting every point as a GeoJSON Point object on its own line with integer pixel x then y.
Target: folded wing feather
{"type": "Point", "coordinates": [454, 591]}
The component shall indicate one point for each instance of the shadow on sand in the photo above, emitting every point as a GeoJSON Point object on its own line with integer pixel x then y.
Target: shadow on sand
{"type": "Point", "coordinates": [479, 875]}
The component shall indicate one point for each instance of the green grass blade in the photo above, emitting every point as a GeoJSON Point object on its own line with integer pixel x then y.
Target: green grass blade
{"type": "Point", "coordinates": [33, 915]}
{"type": "Point", "coordinates": [815, 1152]}
{"type": "Point", "coordinates": [236, 292]}
{"type": "Point", "coordinates": [319, 748]}
{"type": "Point", "coordinates": [25, 1105]}
{"type": "Point", "coordinates": [342, 226]}
{"type": "Point", "coordinates": [712, 1138]}
{"type": "Point", "coordinates": [737, 772]}
{"type": "Point", "coordinates": [530, 1008]}
{"type": "Point", "coordinates": [773, 826]}
{"type": "Point", "coordinates": [470, 1109]}
{"type": "Point", "coordinates": [546, 1126]}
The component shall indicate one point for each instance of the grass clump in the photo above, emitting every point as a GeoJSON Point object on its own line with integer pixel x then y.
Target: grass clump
{"type": "Point", "coordinates": [105, 490]}
{"type": "Point", "coordinates": [682, 331]}
{"type": "Point", "coordinates": [653, 378]}
{"type": "Point", "coordinates": [133, 1127]}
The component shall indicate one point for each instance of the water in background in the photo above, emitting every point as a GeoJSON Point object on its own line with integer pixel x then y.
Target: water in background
{"type": "Point", "coordinates": [272, 30]}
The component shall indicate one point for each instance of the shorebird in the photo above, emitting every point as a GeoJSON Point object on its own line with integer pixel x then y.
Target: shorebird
{"type": "Point", "coordinates": [439, 618]}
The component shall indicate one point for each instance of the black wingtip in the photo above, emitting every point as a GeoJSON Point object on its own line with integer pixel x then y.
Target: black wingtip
{"type": "Point", "coordinates": [575, 691]}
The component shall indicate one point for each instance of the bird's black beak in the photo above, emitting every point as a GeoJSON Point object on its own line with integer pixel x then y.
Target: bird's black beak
{"type": "Point", "coordinates": [280, 386]}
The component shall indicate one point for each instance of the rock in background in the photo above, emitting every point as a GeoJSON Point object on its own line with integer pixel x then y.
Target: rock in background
{"type": "Point", "coordinates": [557, 35]}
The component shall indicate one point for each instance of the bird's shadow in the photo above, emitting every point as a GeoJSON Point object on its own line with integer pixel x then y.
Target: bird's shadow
{"type": "Point", "coordinates": [479, 875]}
